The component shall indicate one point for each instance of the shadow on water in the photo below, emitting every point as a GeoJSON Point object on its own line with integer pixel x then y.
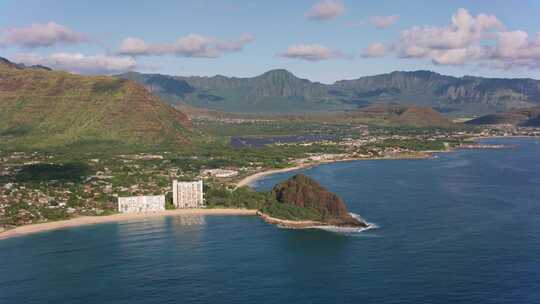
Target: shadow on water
{"type": "Point", "coordinates": [310, 239]}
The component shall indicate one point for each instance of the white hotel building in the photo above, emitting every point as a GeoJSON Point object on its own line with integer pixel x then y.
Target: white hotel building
{"type": "Point", "coordinates": [141, 204]}
{"type": "Point", "coordinates": [188, 194]}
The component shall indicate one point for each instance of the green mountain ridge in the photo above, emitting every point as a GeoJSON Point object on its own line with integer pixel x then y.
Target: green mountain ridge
{"type": "Point", "coordinates": [280, 91]}
{"type": "Point", "coordinates": [42, 108]}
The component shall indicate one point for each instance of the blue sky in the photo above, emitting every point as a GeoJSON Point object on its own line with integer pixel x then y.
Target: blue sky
{"type": "Point", "coordinates": [319, 40]}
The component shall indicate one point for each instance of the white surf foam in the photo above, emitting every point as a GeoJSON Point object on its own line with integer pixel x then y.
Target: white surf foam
{"type": "Point", "coordinates": [338, 229]}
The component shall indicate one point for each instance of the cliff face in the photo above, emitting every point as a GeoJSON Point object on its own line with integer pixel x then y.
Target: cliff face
{"type": "Point", "coordinates": [302, 191]}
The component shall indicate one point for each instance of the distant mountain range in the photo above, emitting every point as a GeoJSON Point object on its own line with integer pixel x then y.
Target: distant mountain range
{"type": "Point", "coordinates": [279, 91]}
{"type": "Point", "coordinates": [44, 108]}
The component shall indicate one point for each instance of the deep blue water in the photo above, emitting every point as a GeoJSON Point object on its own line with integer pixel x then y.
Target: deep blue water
{"type": "Point", "coordinates": [461, 228]}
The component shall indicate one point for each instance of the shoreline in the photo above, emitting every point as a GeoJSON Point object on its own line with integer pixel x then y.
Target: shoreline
{"type": "Point", "coordinates": [504, 136]}
{"type": "Point", "coordinates": [309, 224]}
{"type": "Point", "coordinates": [290, 224]}
{"type": "Point", "coordinates": [252, 178]}
{"type": "Point", "coordinates": [91, 220]}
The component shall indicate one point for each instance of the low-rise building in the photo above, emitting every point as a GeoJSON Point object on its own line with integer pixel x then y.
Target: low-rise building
{"type": "Point", "coordinates": [188, 194]}
{"type": "Point", "coordinates": [220, 173]}
{"type": "Point", "coordinates": [141, 204]}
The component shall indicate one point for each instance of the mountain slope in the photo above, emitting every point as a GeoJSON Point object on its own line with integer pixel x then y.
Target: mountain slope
{"type": "Point", "coordinates": [43, 108]}
{"type": "Point", "coordinates": [405, 116]}
{"type": "Point", "coordinates": [279, 91]}
{"type": "Point", "coordinates": [276, 91]}
{"type": "Point", "coordinates": [445, 93]}
{"type": "Point", "coordinates": [521, 117]}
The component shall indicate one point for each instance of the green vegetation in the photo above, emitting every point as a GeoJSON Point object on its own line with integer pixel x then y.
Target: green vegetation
{"type": "Point", "coordinates": [69, 172]}
{"type": "Point", "coordinates": [272, 127]}
{"type": "Point", "coordinates": [292, 212]}
{"type": "Point", "coordinates": [218, 196]}
{"type": "Point", "coordinates": [414, 145]}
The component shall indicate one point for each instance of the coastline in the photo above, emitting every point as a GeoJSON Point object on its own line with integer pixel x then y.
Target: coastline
{"type": "Point", "coordinates": [308, 224]}
{"type": "Point", "coordinates": [289, 223]}
{"type": "Point", "coordinates": [90, 220]}
{"type": "Point", "coordinates": [252, 178]}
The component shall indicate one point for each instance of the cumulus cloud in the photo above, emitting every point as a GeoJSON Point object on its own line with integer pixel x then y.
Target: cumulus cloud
{"type": "Point", "coordinates": [375, 49]}
{"type": "Point", "coordinates": [326, 10]}
{"type": "Point", "coordinates": [39, 35]}
{"type": "Point", "coordinates": [464, 31]}
{"type": "Point", "coordinates": [311, 52]}
{"type": "Point", "coordinates": [481, 40]}
{"type": "Point", "coordinates": [382, 22]}
{"type": "Point", "coordinates": [515, 49]}
{"type": "Point", "coordinates": [192, 45]}
{"type": "Point", "coordinates": [79, 63]}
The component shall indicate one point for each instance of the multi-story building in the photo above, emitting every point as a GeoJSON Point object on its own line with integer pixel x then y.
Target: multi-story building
{"type": "Point", "coordinates": [188, 194]}
{"type": "Point", "coordinates": [141, 204]}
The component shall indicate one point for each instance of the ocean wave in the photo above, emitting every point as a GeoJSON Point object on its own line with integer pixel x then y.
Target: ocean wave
{"type": "Point", "coordinates": [347, 230]}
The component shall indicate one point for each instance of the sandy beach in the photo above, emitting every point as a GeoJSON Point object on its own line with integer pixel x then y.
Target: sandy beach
{"type": "Point", "coordinates": [89, 220]}
{"type": "Point", "coordinates": [250, 179]}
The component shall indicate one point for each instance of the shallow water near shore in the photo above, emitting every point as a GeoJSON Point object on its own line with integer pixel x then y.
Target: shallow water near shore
{"type": "Point", "coordinates": [460, 228]}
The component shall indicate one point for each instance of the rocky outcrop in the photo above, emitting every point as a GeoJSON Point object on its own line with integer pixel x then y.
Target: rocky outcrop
{"type": "Point", "coordinates": [304, 192]}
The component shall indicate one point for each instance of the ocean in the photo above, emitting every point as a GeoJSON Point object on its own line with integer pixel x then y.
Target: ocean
{"type": "Point", "coordinates": [463, 227]}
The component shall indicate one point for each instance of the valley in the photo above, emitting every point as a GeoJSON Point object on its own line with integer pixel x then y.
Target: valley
{"type": "Point", "coordinates": [70, 144]}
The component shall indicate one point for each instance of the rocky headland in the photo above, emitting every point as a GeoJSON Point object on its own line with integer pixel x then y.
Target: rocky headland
{"type": "Point", "coordinates": [301, 202]}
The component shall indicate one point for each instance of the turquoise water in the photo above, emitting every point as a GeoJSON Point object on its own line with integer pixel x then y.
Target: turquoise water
{"type": "Point", "coordinates": [460, 228]}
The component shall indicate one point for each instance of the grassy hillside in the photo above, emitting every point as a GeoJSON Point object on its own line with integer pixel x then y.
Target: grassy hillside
{"type": "Point", "coordinates": [40, 108]}
{"type": "Point", "coordinates": [393, 115]}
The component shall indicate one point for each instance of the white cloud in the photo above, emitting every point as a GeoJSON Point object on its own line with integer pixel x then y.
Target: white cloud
{"type": "Point", "coordinates": [39, 35]}
{"type": "Point", "coordinates": [383, 22]}
{"type": "Point", "coordinates": [464, 31]}
{"type": "Point", "coordinates": [79, 63]}
{"type": "Point", "coordinates": [192, 45]}
{"type": "Point", "coordinates": [481, 40]}
{"type": "Point", "coordinates": [375, 49]}
{"type": "Point", "coordinates": [311, 52]}
{"type": "Point", "coordinates": [326, 10]}
{"type": "Point", "coordinates": [515, 49]}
